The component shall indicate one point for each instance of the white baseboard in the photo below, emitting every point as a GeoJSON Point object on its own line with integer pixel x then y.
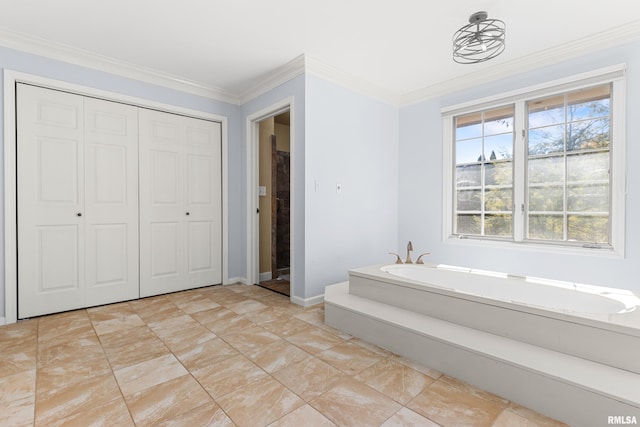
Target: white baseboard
{"type": "Point", "coordinates": [307, 302]}
{"type": "Point", "coordinates": [234, 280]}
{"type": "Point", "coordinates": [2, 322]}
{"type": "Point", "coordinates": [265, 276]}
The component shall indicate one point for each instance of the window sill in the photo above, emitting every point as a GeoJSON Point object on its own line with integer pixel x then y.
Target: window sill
{"type": "Point", "coordinates": [530, 246]}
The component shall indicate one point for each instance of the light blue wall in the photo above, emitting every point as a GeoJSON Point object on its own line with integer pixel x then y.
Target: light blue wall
{"type": "Point", "coordinates": [420, 199]}
{"type": "Point", "coordinates": [346, 138]}
{"type": "Point", "coordinates": [27, 63]}
{"type": "Point", "coordinates": [351, 140]}
{"type": "Point", "coordinates": [292, 88]}
{"type": "Point", "coordinates": [389, 164]}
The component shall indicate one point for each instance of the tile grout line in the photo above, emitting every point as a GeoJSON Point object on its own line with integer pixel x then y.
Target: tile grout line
{"type": "Point", "coordinates": [462, 389]}
{"type": "Point", "coordinates": [113, 374]}
{"type": "Point", "coordinates": [260, 367]}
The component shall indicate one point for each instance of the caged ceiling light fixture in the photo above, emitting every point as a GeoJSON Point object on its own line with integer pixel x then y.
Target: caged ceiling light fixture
{"type": "Point", "coordinates": [478, 41]}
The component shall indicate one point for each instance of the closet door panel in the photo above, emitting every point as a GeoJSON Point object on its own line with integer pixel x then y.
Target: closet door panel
{"type": "Point", "coordinates": [203, 201]}
{"type": "Point", "coordinates": [199, 182]}
{"type": "Point", "coordinates": [109, 243]}
{"type": "Point", "coordinates": [165, 250]}
{"type": "Point", "coordinates": [57, 170]}
{"type": "Point", "coordinates": [111, 181]}
{"type": "Point", "coordinates": [164, 182]}
{"type": "Point", "coordinates": [57, 258]}
{"type": "Point", "coordinates": [200, 249]}
{"type": "Point", "coordinates": [50, 155]}
{"type": "Point", "coordinates": [110, 175]}
{"type": "Point", "coordinates": [179, 203]}
{"type": "Point", "coordinates": [162, 223]}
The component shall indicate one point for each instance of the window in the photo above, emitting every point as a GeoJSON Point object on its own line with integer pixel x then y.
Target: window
{"type": "Point", "coordinates": [568, 166]}
{"type": "Point", "coordinates": [484, 178]}
{"type": "Point", "coordinates": [543, 165]}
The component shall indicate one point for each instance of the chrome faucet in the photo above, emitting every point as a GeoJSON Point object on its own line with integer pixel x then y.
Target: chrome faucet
{"type": "Point", "coordinates": [409, 249]}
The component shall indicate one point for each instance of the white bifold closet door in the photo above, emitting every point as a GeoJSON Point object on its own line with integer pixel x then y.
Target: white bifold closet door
{"type": "Point", "coordinates": [77, 201]}
{"type": "Point", "coordinates": [180, 203]}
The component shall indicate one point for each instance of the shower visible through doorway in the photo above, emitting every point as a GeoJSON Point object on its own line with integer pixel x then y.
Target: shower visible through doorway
{"type": "Point", "coordinates": [274, 203]}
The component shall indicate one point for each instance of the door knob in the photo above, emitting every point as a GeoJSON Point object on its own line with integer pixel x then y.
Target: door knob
{"type": "Point", "coordinates": [187, 213]}
{"type": "Point", "coordinates": [79, 214]}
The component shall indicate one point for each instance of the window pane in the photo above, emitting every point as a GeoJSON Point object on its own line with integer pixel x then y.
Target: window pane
{"type": "Point", "coordinates": [588, 198]}
{"type": "Point", "coordinates": [589, 103]}
{"type": "Point", "coordinates": [469, 200]}
{"type": "Point", "coordinates": [545, 170]}
{"type": "Point", "coordinates": [588, 228]}
{"type": "Point", "coordinates": [484, 152]}
{"type": "Point", "coordinates": [567, 165]}
{"type": "Point", "coordinates": [498, 173]}
{"type": "Point", "coordinates": [588, 134]}
{"type": "Point", "coordinates": [498, 147]}
{"type": "Point", "coordinates": [588, 167]}
{"type": "Point", "coordinates": [469, 151]}
{"type": "Point", "coordinates": [546, 140]}
{"type": "Point", "coordinates": [498, 225]}
{"type": "Point", "coordinates": [546, 199]}
{"type": "Point", "coordinates": [468, 224]}
{"type": "Point", "coordinates": [547, 227]}
{"type": "Point", "coordinates": [546, 111]}
{"type": "Point", "coordinates": [498, 200]}
{"type": "Point", "coordinates": [499, 120]}
{"type": "Point", "coordinates": [469, 126]}
{"type": "Point", "coordinates": [468, 176]}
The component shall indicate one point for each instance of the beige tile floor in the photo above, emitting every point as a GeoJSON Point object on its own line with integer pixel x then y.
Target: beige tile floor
{"type": "Point", "coordinates": [224, 356]}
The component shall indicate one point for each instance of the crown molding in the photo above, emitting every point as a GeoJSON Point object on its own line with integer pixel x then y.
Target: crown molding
{"type": "Point", "coordinates": [306, 64]}
{"type": "Point", "coordinates": [280, 75]}
{"type": "Point", "coordinates": [83, 58]}
{"type": "Point", "coordinates": [606, 39]}
{"type": "Point", "coordinates": [342, 78]}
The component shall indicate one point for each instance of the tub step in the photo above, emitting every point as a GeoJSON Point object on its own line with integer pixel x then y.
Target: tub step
{"type": "Point", "coordinates": [568, 388]}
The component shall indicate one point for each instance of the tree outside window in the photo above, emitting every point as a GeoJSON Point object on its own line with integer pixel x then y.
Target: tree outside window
{"type": "Point", "coordinates": [484, 172]}
{"type": "Point", "coordinates": [565, 157]}
{"type": "Point", "coordinates": [568, 166]}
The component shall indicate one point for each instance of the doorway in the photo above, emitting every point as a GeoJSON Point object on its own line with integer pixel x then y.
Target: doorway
{"type": "Point", "coordinates": [274, 203]}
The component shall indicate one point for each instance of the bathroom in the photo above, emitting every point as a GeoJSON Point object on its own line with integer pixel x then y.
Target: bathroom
{"type": "Point", "coordinates": [367, 169]}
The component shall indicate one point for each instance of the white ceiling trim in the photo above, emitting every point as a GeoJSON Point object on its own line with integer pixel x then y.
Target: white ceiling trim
{"type": "Point", "coordinates": [83, 58]}
{"type": "Point", "coordinates": [599, 41]}
{"type": "Point", "coordinates": [342, 78]}
{"type": "Point", "coordinates": [280, 75]}
{"type": "Point", "coordinates": [306, 64]}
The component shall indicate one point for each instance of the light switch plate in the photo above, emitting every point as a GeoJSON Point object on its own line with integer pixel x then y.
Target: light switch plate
{"type": "Point", "coordinates": [262, 190]}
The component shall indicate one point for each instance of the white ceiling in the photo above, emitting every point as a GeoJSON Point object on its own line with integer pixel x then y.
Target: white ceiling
{"type": "Point", "coordinates": [232, 45]}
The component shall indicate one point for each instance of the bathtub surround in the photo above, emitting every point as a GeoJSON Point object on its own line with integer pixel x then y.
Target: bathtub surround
{"type": "Point", "coordinates": [578, 366]}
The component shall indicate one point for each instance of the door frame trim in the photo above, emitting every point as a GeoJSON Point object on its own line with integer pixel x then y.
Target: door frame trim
{"type": "Point", "coordinates": [252, 123]}
{"type": "Point", "coordinates": [10, 203]}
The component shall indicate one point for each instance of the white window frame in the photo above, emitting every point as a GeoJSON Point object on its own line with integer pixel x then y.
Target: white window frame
{"type": "Point", "coordinates": [616, 75]}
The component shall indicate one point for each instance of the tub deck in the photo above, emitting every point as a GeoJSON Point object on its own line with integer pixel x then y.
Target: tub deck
{"type": "Point", "coordinates": [582, 336]}
{"type": "Point", "coordinates": [580, 376]}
